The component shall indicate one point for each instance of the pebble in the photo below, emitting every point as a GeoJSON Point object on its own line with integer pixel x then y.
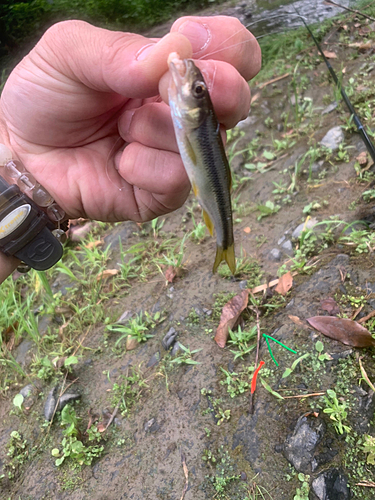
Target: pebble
{"type": "Point", "coordinates": [287, 246]}
{"type": "Point", "coordinates": [243, 285]}
{"type": "Point", "coordinates": [154, 360]}
{"type": "Point", "coordinates": [50, 404]}
{"type": "Point", "coordinates": [274, 255]}
{"type": "Point", "coordinates": [176, 349]}
{"type": "Point", "coordinates": [331, 485]}
{"type": "Point", "coordinates": [330, 108]}
{"type": "Point", "coordinates": [333, 138]}
{"type": "Point", "coordinates": [303, 227]}
{"type": "Point", "coordinates": [67, 398]}
{"type": "Point", "coordinates": [169, 338]}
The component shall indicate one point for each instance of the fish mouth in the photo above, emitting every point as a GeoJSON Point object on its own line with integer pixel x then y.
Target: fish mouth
{"type": "Point", "coordinates": [178, 68]}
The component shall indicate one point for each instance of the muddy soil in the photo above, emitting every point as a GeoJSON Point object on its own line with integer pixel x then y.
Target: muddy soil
{"type": "Point", "coordinates": [178, 409]}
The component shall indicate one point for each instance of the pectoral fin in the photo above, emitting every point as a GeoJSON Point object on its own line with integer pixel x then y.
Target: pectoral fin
{"type": "Point", "coordinates": [208, 222]}
{"type": "Point", "coordinates": [227, 255]}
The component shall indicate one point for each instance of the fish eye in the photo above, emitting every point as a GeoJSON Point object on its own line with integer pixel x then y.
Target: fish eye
{"type": "Point", "coordinates": [199, 89]}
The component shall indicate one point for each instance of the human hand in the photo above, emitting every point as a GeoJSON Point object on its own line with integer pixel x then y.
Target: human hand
{"type": "Point", "coordinates": [83, 91]}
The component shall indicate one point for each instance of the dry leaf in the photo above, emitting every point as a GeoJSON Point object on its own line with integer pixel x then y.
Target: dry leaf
{"type": "Point", "coordinates": [170, 274]}
{"type": "Point", "coordinates": [255, 97]}
{"type": "Point", "coordinates": [107, 274]}
{"type": "Point", "coordinates": [329, 55]}
{"type": "Point", "coordinates": [229, 316]}
{"type": "Point", "coordinates": [247, 230]}
{"type": "Point", "coordinates": [285, 283]}
{"type": "Point", "coordinates": [347, 331]}
{"type": "Point", "coordinates": [101, 427]}
{"type": "Point", "coordinates": [298, 321]}
{"type": "Point", "coordinates": [94, 244]}
{"type": "Point", "coordinates": [79, 233]}
{"type": "Point", "coordinates": [330, 305]}
{"type": "Point", "coordinates": [131, 343]}
{"type": "Point", "coordinates": [362, 158]}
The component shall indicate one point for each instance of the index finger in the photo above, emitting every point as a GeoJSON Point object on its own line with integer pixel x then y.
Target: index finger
{"type": "Point", "coordinates": [222, 38]}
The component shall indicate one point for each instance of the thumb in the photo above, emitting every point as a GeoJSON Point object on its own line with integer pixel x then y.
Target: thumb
{"type": "Point", "coordinates": [108, 61]}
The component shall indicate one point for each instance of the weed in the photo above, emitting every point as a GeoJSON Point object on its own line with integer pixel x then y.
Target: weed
{"type": "Point", "coordinates": [241, 339]}
{"type": "Point", "coordinates": [72, 445]}
{"type": "Point", "coordinates": [302, 493]}
{"type": "Point", "coordinates": [369, 447]}
{"type": "Point", "coordinates": [198, 234]}
{"type": "Point", "coordinates": [289, 371]}
{"type": "Point", "coordinates": [246, 268]}
{"type": "Point", "coordinates": [269, 208]}
{"type": "Point", "coordinates": [187, 357]}
{"type": "Point", "coordinates": [18, 453]}
{"type": "Point", "coordinates": [336, 411]}
{"type": "Point", "coordinates": [225, 482]}
{"type": "Point", "coordinates": [237, 383]}
{"type": "Point", "coordinates": [128, 389]}
{"type": "Point", "coordinates": [220, 300]}
{"type": "Point", "coordinates": [137, 327]}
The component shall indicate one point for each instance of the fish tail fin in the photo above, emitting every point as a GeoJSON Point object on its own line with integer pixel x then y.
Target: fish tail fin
{"type": "Point", "coordinates": [228, 256]}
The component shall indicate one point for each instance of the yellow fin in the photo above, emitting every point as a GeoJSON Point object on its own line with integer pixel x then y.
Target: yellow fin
{"type": "Point", "coordinates": [195, 189]}
{"type": "Point", "coordinates": [228, 256]}
{"type": "Point", "coordinates": [208, 222]}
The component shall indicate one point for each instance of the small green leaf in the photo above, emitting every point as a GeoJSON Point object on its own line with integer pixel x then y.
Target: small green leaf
{"type": "Point", "coordinates": [18, 400]}
{"type": "Point", "coordinates": [71, 360]}
{"type": "Point", "coordinates": [55, 452]}
{"type": "Point", "coordinates": [268, 155]}
{"type": "Point", "coordinates": [268, 388]}
{"type": "Point", "coordinates": [59, 461]}
{"type": "Point", "coordinates": [319, 346]}
{"type": "Point", "coordinates": [287, 372]}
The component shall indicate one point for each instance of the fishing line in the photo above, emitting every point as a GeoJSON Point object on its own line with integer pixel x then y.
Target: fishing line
{"type": "Point", "coordinates": [365, 138]}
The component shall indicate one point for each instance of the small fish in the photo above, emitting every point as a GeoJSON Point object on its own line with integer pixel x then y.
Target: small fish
{"type": "Point", "coordinates": [202, 152]}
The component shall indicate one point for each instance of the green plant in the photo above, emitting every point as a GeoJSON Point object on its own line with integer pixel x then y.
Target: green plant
{"type": "Point", "coordinates": [237, 383]}
{"type": "Point", "coordinates": [369, 447]}
{"type": "Point", "coordinates": [17, 452]}
{"type": "Point", "coordinates": [289, 371]}
{"type": "Point", "coordinates": [137, 327]}
{"type": "Point", "coordinates": [337, 412]}
{"type": "Point", "coordinates": [302, 493]}
{"type": "Point", "coordinates": [72, 444]}
{"type": "Point", "coordinates": [322, 356]}
{"type": "Point", "coordinates": [267, 209]}
{"type": "Point", "coordinates": [241, 339]}
{"type": "Point", "coordinates": [186, 357]}
{"type": "Point", "coordinates": [128, 390]}
{"type": "Point", "coordinates": [199, 232]}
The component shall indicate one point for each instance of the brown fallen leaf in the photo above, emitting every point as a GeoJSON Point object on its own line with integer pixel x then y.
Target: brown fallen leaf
{"type": "Point", "coordinates": [107, 274]}
{"type": "Point", "coordinates": [330, 305]}
{"type": "Point", "coordinates": [329, 55]}
{"type": "Point", "coordinates": [347, 331]}
{"type": "Point", "coordinates": [94, 244]}
{"type": "Point", "coordinates": [362, 158]}
{"type": "Point", "coordinates": [285, 283]}
{"type": "Point", "coordinates": [170, 274]}
{"type": "Point", "coordinates": [247, 230]}
{"type": "Point", "coordinates": [131, 343]}
{"type": "Point", "coordinates": [298, 321]}
{"type": "Point", "coordinates": [229, 316]}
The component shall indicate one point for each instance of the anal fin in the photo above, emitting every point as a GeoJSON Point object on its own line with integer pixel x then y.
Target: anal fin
{"type": "Point", "coordinates": [208, 222]}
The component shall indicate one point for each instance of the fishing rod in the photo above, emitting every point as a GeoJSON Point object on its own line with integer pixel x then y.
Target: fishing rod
{"type": "Point", "coordinates": [366, 139]}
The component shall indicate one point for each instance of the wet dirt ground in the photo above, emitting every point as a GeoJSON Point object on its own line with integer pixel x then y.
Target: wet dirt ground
{"type": "Point", "coordinates": [175, 414]}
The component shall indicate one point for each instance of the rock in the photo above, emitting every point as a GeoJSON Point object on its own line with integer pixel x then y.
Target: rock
{"type": "Point", "coordinates": [300, 446]}
{"type": "Point", "coordinates": [27, 390]}
{"type": "Point", "coordinates": [21, 352]}
{"type": "Point", "coordinates": [303, 227]}
{"type": "Point", "coordinates": [316, 166]}
{"type": "Point", "coordinates": [274, 255]}
{"type": "Point", "coordinates": [67, 398]}
{"type": "Point", "coordinates": [329, 108]}
{"type": "Point", "coordinates": [154, 360]}
{"type": "Point", "coordinates": [333, 138]}
{"type": "Point", "coordinates": [287, 246]}
{"type": "Point", "coordinates": [169, 338]}
{"type": "Point", "coordinates": [176, 349]}
{"type": "Point", "coordinates": [50, 404]}
{"type": "Point", "coordinates": [125, 316]}
{"type": "Point", "coordinates": [131, 343]}
{"type": "Point", "coordinates": [331, 485]}
{"type": "Point", "coordinates": [243, 284]}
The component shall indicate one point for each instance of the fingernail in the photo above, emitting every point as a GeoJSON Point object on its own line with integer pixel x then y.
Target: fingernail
{"type": "Point", "coordinates": [198, 35]}
{"type": "Point", "coordinates": [144, 51]}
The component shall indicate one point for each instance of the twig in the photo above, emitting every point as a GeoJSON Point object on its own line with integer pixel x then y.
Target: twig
{"type": "Point", "coordinates": [118, 404]}
{"type": "Point", "coordinates": [186, 472]}
{"type": "Point", "coordinates": [350, 10]}
{"type": "Point", "coordinates": [262, 85]}
{"type": "Point", "coordinates": [305, 395]}
{"type": "Point", "coordinates": [369, 316]}
{"type": "Point", "coordinates": [256, 310]}
{"type": "Point", "coordinates": [357, 312]}
{"type": "Point", "coordinates": [367, 484]}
